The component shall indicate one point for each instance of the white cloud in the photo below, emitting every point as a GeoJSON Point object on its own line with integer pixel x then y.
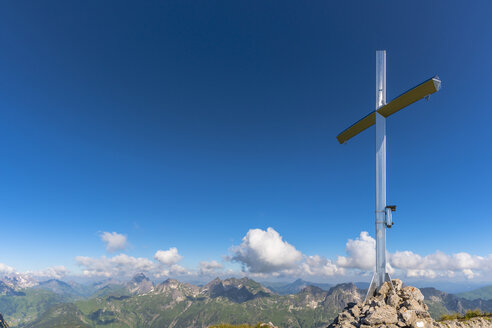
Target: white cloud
{"type": "Point", "coordinates": [436, 261]}
{"type": "Point", "coordinates": [117, 266]}
{"type": "Point", "coordinates": [361, 253]}
{"type": "Point", "coordinates": [178, 270]}
{"type": "Point", "coordinates": [320, 266]}
{"type": "Point", "coordinates": [264, 252]}
{"type": "Point", "coordinates": [173, 271]}
{"type": "Point", "coordinates": [5, 269]}
{"type": "Point", "coordinates": [488, 262]}
{"type": "Point", "coordinates": [439, 264]}
{"type": "Point", "coordinates": [169, 257]}
{"type": "Point", "coordinates": [466, 261]}
{"type": "Point", "coordinates": [389, 268]}
{"type": "Point", "coordinates": [114, 241]}
{"type": "Point", "coordinates": [208, 268]}
{"type": "Point", "coordinates": [469, 273]}
{"type": "Point", "coordinates": [124, 266]}
{"type": "Point", "coordinates": [406, 260]}
{"type": "Point", "coordinates": [55, 272]}
{"type": "Point", "coordinates": [421, 273]}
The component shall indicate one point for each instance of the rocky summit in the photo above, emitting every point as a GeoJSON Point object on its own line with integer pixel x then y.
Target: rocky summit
{"type": "Point", "coordinates": [395, 306]}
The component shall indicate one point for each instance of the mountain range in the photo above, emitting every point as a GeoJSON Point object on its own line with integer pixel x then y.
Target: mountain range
{"type": "Point", "coordinates": [141, 303]}
{"type": "Point", "coordinates": [294, 287]}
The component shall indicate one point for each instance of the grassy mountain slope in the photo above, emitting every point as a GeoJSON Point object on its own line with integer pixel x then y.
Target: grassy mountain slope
{"type": "Point", "coordinates": [24, 308]}
{"type": "Point", "coordinates": [111, 290]}
{"type": "Point", "coordinates": [59, 287]}
{"type": "Point", "coordinates": [484, 293]}
{"type": "Point", "coordinates": [60, 316]}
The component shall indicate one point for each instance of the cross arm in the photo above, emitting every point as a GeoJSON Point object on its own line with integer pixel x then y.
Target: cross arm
{"type": "Point", "coordinates": [366, 122]}
{"type": "Point", "coordinates": [420, 91]}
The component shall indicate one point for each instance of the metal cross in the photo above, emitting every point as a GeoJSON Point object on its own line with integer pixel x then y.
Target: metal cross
{"type": "Point", "coordinates": [378, 117]}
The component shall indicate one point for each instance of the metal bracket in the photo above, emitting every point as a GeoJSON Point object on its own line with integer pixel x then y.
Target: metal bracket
{"type": "Point", "coordinates": [371, 292]}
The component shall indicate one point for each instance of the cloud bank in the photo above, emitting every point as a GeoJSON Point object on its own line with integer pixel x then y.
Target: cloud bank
{"type": "Point", "coordinates": [440, 264]}
{"type": "Point", "coordinates": [266, 254]}
{"type": "Point", "coordinates": [117, 266]}
{"type": "Point", "coordinates": [124, 266]}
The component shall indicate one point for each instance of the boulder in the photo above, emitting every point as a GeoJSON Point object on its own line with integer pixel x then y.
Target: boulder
{"type": "Point", "coordinates": [397, 284]}
{"type": "Point", "coordinates": [408, 316]}
{"type": "Point", "coordinates": [413, 304]}
{"type": "Point", "coordinates": [345, 316]}
{"type": "Point", "coordinates": [355, 311]}
{"type": "Point", "coordinates": [393, 300]}
{"type": "Point", "coordinates": [382, 315]}
{"type": "Point", "coordinates": [414, 293]}
{"type": "Point", "coordinates": [385, 289]}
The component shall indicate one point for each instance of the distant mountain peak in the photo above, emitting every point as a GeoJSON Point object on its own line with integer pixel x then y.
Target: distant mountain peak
{"type": "Point", "coordinates": [344, 286]}
{"type": "Point", "coordinates": [168, 284]}
{"type": "Point", "coordinates": [177, 291]}
{"type": "Point", "coordinates": [6, 289]}
{"type": "Point", "coordinates": [343, 294]}
{"type": "Point", "coordinates": [236, 290]}
{"type": "Point", "coordinates": [140, 284]}
{"type": "Point", "coordinates": [297, 286]}
{"type": "Point", "coordinates": [19, 280]}
{"type": "Point", "coordinates": [312, 290]}
{"type": "Point", "coordinates": [214, 282]}
{"type": "Point", "coordinates": [139, 277]}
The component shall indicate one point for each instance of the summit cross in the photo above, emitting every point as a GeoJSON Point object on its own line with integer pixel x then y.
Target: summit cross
{"type": "Point", "coordinates": [383, 110]}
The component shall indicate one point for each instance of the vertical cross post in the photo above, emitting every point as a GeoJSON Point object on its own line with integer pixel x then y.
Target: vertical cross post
{"type": "Point", "coordinates": [380, 275]}
{"type": "Point", "coordinates": [380, 169]}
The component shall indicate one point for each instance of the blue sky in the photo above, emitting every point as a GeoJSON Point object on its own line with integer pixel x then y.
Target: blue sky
{"type": "Point", "coordinates": [184, 124]}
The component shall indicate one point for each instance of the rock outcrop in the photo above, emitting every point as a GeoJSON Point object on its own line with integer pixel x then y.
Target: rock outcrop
{"type": "Point", "coordinates": [397, 307]}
